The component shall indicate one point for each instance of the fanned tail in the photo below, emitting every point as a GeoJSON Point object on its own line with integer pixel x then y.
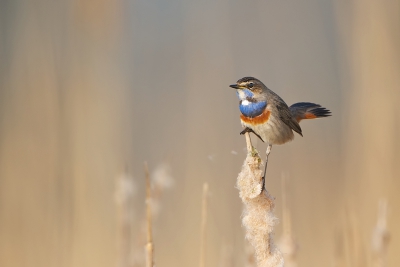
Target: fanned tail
{"type": "Point", "coordinates": [305, 110]}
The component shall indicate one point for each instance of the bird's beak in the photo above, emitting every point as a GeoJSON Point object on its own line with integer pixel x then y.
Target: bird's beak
{"type": "Point", "coordinates": [235, 86]}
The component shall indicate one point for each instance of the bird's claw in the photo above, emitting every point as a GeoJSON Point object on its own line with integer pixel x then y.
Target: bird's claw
{"type": "Point", "coordinates": [249, 130]}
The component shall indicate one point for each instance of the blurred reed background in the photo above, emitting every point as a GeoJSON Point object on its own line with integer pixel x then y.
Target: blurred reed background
{"type": "Point", "coordinates": [92, 89]}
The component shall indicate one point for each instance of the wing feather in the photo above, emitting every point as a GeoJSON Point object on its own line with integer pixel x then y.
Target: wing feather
{"type": "Point", "coordinates": [286, 116]}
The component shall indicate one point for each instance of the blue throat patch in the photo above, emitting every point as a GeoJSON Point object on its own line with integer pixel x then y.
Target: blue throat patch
{"type": "Point", "coordinates": [253, 109]}
{"type": "Point", "coordinates": [247, 92]}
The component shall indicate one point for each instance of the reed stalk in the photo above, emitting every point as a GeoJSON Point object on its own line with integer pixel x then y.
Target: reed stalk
{"type": "Point", "coordinates": [203, 225]}
{"type": "Point", "coordinates": [149, 246]}
{"type": "Point", "coordinates": [258, 216]}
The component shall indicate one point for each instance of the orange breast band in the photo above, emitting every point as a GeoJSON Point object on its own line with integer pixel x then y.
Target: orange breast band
{"type": "Point", "coordinates": [260, 119]}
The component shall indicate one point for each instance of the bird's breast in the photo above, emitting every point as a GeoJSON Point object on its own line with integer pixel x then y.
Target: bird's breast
{"type": "Point", "coordinates": [269, 127]}
{"type": "Point", "coordinates": [252, 109]}
{"type": "Point", "coordinates": [262, 118]}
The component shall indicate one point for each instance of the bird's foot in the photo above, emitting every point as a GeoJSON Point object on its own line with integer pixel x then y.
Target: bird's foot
{"type": "Point", "coordinates": [246, 130]}
{"type": "Point", "coordinates": [249, 130]}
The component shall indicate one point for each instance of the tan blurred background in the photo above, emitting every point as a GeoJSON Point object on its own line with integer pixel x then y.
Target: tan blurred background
{"type": "Point", "coordinates": [89, 90]}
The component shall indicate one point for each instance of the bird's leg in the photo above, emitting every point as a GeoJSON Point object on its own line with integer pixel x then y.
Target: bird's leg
{"type": "Point", "coordinates": [266, 162]}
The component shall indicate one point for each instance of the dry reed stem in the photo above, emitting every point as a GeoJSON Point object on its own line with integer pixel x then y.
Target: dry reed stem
{"type": "Point", "coordinates": [258, 216]}
{"type": "Point", "coordinates": [288, 243]}
{"type": "Point", "coordinates": [248, 142]}
{"type": "Point", "coordinates": [124, 192]}
{"type": "Point", "coordinates": [338, 257]}
{"type": "Point", "coordinates": [381, 236]}
{"type": "Point", "coordinates": [149, 246]}
{"type": "Point", "coordinates": [203, 225]}
{"type": "Point", "coordinates": [350, 245]}
{"type": "Point", "coordinates": [161, 180]}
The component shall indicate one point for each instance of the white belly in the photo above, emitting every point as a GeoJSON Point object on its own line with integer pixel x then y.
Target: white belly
{"type": "Point", "coordinates": [273, 132]}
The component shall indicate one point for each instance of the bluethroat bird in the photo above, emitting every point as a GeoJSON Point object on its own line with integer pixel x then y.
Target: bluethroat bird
{"type": "Point", "coordinates": [266, 115]}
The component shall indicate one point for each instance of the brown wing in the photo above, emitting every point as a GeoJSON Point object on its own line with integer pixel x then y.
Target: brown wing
{"type": "Point", "coordinates": [286, 116]}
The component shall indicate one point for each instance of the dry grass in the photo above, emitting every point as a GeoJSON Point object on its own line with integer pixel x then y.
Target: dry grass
{"type": "Point", "coordinates": [380, 237]}
{"type": "Point", "coordinates": [149, 245]}
{"type": "Point", "coordinates": [203, 225]}
{"type": "Point", "coordinates": [287, 243]}
{"type": "Point", "coordinates": [125, 189]}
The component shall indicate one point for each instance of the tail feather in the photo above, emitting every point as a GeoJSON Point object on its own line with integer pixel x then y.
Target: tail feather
{"type": "Point", "coordinates": [320, 112]}
{"type": "Point", "coordinates": [305, 110]}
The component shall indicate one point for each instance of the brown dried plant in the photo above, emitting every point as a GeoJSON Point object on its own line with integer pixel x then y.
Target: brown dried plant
{"type": "Point", "coordinates": [203, 225]}
{"type": "Point", "coordinates": [149, 245]}
{"type": "Point", "coordinates": [380, 236]}
{"type": "Point", "coordinates": [287, 243]}
{"type": "Point", "coordinates": [131, 239]}
{"type": "Point", "coordinates": [258, 217]}
{"type": "Point", "coordinates": [125, 190]}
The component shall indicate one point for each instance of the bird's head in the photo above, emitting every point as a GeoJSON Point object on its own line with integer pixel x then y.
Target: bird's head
{"type": "Point", "coordinates": [251, 93]}
{"type": "Point", "coordinates": [249, 88]}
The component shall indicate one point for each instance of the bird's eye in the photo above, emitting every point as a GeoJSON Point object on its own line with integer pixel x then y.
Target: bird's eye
{"type": "Point", "coordinates": [250, 85]}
